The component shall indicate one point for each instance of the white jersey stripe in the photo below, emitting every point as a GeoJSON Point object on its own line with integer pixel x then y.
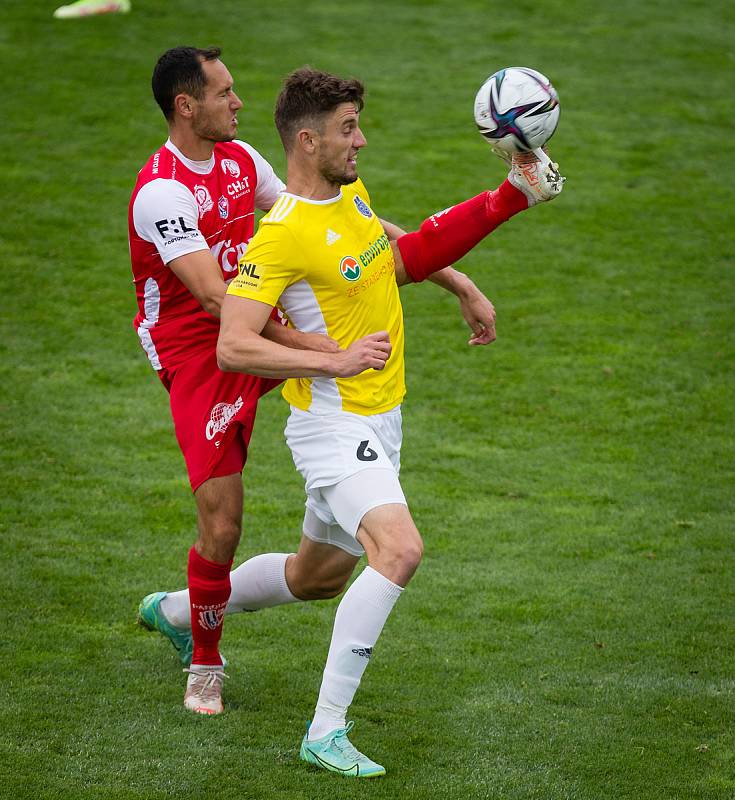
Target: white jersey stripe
{"type": "Point", "coordinates": [282, 208]}
{"type": "Point", "coordinates": [302, 308]}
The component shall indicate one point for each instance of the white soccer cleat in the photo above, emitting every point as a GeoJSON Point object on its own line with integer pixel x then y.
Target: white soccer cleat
{"type": "Point", "coordinates": [87, 8]}
{"type": "Point", "coordinates": [536, 175]}
{"type": "Point", "coordinates": [204, 690]}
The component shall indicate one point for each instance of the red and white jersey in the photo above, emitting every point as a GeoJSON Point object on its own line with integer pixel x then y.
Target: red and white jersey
{"type": "Point", "coordinates": [180, 206]}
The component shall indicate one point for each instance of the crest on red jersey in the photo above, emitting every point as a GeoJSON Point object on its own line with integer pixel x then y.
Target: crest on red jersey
{"type": "Point", "coordinates": [204, 199]}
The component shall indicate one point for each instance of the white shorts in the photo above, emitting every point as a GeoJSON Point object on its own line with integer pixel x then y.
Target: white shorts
{"type": "Point", "coordinates": [350, 465]}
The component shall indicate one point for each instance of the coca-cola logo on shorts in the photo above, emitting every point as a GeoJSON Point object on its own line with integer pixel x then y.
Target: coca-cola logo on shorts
{"type": "Point", "coordinates": [220, 417]}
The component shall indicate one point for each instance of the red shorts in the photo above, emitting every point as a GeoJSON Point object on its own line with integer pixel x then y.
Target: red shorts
{"type": "Point", "coordinates": [213, 413]}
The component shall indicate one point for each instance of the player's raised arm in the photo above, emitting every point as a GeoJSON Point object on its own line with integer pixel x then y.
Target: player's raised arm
{"type": "Point", "coordinates": [242, 348]}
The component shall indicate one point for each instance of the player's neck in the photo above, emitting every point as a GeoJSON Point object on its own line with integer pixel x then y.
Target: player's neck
{"type": "Point", "coordinates": [191, 145]}
{"type": "Point", "coordinates": [309, 185]}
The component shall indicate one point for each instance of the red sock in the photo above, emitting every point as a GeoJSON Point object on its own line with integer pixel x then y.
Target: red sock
{"type": "Point", "coordinates": [445, 237]}
{"type": "Point", "coordinates": [209, 591]}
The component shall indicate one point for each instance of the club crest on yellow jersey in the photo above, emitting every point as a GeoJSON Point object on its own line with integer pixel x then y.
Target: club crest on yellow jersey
{"type": "Point", "coordinates": [362, 206]}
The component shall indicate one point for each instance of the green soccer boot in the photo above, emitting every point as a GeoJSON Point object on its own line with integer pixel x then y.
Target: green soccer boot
{"type": "Point", "coordinates": [336, 753]}
{"type": "Point", "coordinates": [151, 617]}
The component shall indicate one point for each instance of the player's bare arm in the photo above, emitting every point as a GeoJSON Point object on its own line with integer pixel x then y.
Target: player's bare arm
{"type": "Point", "coordinates": [202, 276]}
{"type": "Point", "coordinates": [243, 348]}
{"type": "Point", "coordinates": [477, 310]}
{"type": "Point", "coordinates": [290, 337]}
{"type": "Point", "coordinates": [392, 230]}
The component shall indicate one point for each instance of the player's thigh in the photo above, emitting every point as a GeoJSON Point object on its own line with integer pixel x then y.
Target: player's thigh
{"type": "Point", "coordinates": [321, 527]}
{"type": "Point", "coordinates": [213, 413]}
{"type": "Point", "coordinates": [319, 570]}
{"type": "Point", "coordinates": [350, 464]}
{"type": "Point", "coordinates": [353, 498]}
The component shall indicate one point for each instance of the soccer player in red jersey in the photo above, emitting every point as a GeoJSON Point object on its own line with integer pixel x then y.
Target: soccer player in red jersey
{"type": "Point", "coordinates": [190, 218]}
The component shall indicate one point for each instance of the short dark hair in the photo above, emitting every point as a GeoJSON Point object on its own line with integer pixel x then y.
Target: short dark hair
{"type": "Point", "coordinates": [178, 71]}
{"type": "Point", "coordinates": [308, 95]}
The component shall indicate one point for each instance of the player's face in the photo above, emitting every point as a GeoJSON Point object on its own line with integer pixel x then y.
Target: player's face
{"type": "Point", "coordinates": [215, 115]}
{"type": "Point", "coordinates": [340, 141]}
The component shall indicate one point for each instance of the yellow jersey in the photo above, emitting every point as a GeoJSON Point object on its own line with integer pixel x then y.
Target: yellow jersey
{"type": "Point", "coordinates": [329, 266]}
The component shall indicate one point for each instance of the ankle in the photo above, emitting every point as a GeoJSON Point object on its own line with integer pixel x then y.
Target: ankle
{"type": "Point", "coordinates": [322, 725]}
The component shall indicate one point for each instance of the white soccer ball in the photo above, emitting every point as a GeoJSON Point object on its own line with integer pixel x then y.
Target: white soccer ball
{"type": "Point", "coordinates": [517, 109]}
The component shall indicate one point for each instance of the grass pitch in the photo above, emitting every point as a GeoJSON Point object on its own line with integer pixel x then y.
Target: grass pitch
{"type": "Point", "coordinates": [570, 633]}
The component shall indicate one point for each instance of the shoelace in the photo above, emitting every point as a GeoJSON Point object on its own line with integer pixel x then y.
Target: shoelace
{"type": "Point", "coordinates": [345, 746]}
{"type": "Point", "coordinates": [525, 158]}
{"type": "Point", "coordinates": [208, 685]}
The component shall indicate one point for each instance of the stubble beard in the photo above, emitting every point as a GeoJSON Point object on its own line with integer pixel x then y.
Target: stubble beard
{"type": "Point", "coordinates": [337, 178]}
{"type": "Point", "coordinates": [210, 133]}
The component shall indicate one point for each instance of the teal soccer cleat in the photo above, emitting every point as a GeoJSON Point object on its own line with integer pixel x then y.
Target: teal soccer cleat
{"type": "Point", "coordinates": [151, 617]}
{"type": "Point", "coordinates": [336, 753]}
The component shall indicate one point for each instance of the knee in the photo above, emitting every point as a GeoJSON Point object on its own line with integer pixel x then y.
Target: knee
{"type": "Point", "coordinates": [408, 554]}
{"type": "Point", "coordinates": [415, 553]}
{"type": "Point", "coordinates": [219, 538]}
{"type": "Point", "coordinates": [396, 555]}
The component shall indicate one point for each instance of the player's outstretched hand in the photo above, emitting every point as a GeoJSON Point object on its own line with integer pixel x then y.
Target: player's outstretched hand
{"type": "Point", "coordinates": [479, 314]}
{"type": "Point", "coordinates": [370, 352]}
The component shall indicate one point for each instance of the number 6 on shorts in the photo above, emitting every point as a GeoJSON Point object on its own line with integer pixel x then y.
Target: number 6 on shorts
{"type": "Point", "coordinates": [364, 453]}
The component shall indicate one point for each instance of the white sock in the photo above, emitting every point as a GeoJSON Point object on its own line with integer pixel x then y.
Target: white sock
{"type": "Point", "coordinates": [260, 582]}
{"type": "Point", "coordinates": [359, 620]}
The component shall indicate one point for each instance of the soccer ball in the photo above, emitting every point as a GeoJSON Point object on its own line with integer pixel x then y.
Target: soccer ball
{"type": "Point", "coordinates": [517, 109]}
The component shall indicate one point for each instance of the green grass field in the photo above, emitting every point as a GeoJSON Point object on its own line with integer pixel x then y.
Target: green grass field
{"type": "Point", "coordinates": [570, 634]}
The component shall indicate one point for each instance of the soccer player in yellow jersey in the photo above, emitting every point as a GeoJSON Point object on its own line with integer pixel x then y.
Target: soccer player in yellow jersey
{"type": "Point", "coordinates": [329, 263]}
